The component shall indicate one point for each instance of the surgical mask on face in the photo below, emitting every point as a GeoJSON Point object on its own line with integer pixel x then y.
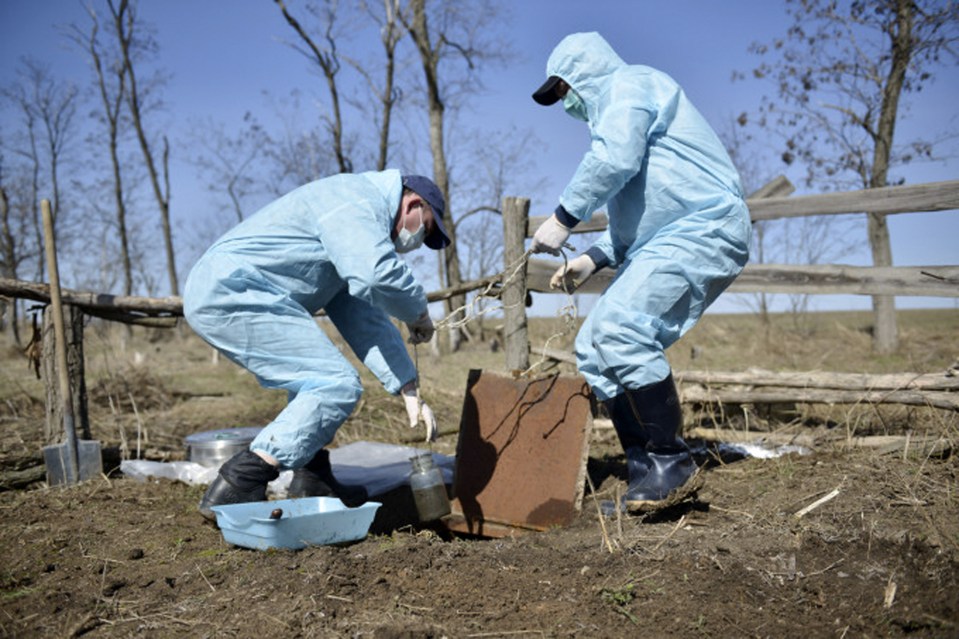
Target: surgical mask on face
{"type": "Point", "coordinates": [575, 106]}
{"type": "Point", "coordinates": [407, 241]}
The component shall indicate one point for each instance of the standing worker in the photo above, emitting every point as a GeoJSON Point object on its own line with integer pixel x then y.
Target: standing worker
{"type": "Point", "coordinates": [331, 244]}
{"type": "Point", "coordinates": [678, 234]}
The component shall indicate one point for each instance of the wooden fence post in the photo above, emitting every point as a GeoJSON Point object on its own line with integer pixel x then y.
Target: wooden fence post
{"type": "Point", "coordinates": [515, 334]}
{"type": "Point", "coordinates": [53, 431]}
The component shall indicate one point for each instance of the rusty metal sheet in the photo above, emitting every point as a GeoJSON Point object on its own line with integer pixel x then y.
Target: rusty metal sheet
{"type": "Point", "coordinates": [521, 454]}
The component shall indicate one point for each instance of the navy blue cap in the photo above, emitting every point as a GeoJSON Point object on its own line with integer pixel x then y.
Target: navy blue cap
{"type": "Point", "coordinates": [547, 93]}
{"type": "Point", "coordinates": [427, 189]}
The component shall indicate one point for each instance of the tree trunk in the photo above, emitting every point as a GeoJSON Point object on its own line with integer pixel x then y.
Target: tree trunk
{"type": "Point", "coordinates": [430, 58]}
{"type": "Point", "coordinates": [8, 260]}
{"type": "Point", "coordinates": [75, 368]}
{"type": "Point", "coordinates": [124, 25]}
{"type": "Point", "coordinates": [885, 337]}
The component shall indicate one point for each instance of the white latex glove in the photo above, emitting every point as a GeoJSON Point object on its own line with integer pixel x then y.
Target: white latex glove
{"type": "Point", "coordinates": [422, 329]}
{"type": "Point", "coordinates": [549, 237]}
{"type": "Point", "coordinates": [571, 275]}
{"type": "Point", "coordinates": [417, 409]}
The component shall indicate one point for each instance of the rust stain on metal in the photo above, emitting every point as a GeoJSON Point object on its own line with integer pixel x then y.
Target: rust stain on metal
{"type": "Point", "coordinates": [521, 454]}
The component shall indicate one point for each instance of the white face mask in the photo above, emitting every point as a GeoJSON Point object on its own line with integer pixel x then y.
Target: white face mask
{"type": "Point", "coordinates": [407, 241]}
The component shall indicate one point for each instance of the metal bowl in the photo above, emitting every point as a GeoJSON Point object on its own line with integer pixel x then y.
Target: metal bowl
{"type": "Point", "coordinates": [213, 447]}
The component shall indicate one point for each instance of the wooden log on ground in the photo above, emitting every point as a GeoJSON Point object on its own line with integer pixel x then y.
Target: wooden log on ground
{"type": "Point", "coordinates": [822, 379]}
{"type": "Point", "coordinates": [883, 444]}
{"type": "Point", "coordinates": [22, 477]}
{"type": "Point", "coordinates": [935, 399]}
{"type": "Point", "coordinates": [768, 387]}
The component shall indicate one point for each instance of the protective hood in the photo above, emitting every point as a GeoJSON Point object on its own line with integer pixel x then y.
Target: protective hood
{"type": "Point", "coordinates": [586, 62]}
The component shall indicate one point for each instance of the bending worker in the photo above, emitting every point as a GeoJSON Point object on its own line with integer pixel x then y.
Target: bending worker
{"type": "Point", "coordinates": [332, 244]}
{"type": "Point", "coordinates": [678, 235]}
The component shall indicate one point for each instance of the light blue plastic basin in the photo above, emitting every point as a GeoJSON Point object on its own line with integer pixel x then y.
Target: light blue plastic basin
{"type": "Point", "coordinates": [310, 521]}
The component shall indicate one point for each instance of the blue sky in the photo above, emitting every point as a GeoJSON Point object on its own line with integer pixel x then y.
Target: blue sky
{"type": "Point", "coordinates": [224, 55]}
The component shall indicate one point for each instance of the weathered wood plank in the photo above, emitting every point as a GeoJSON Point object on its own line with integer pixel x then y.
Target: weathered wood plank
{"type": "Point", "coordinates": [719, 395]}
{"type": "Point", "coordinates": [40, 292]}
{"type": "Point", "coordinates": [931, 281]}
{"type": "Point", "coordinates": [822, 379]}
{"type": "Point", "coordinates": [914, 198]}
{"type": "Point", "coordinates": [792, 379]}
{"type": "Point", "coordinates": [112, 307]}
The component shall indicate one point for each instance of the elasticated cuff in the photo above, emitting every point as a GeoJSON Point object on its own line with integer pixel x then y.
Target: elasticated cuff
{"type": "Point", "coordinates": [564, 217]}
{"type": "Point", "coordinates": [599, 258]}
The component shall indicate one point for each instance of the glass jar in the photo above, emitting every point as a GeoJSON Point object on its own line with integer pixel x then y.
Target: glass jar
{"type": "Point", "coordinates": [429, 489]}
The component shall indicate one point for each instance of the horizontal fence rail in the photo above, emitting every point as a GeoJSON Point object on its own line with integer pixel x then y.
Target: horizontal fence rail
{"type": "Point", "coordinates": [918, 198]}
{"type": "Point", "coordinates": [825, 279]}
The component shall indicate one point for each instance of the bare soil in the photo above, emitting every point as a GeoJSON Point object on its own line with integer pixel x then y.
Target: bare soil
{"type": "Point", "coordinates": [115, 557]}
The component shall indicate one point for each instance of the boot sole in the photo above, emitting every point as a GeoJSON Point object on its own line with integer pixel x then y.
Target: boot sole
{"type": "Point", "coordinates": [675, 496]}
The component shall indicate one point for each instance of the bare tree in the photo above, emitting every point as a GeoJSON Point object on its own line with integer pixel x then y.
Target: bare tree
{"type": "Point", "coordinates": [110, 74]}
{"type": "Point", "coordinates": [128, 32]}
{"type": "Point", "coordinates": [48, 107]}
{"type": "Point", "coordinates": [229, 162]}
{"type": "Point", "coordinates": [456, 33]}
{"type": "Point", "coordinates": [327, 60]}
{"type": "Point", "coordinates": [387, 95]}
{"type": "Point", "coordinates": [8, 262]}
{"type": "Point", "coordinates": [295, 154]}
{"type": "Point", "coordinates": [18, 248]}
{"type": "Point", "coordinates": [31, 154]}
{"type": "Point", "coordinates": [840, 73]}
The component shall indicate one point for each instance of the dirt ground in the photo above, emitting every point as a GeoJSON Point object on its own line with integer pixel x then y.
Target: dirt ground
{"type": "Point", "coordinates": [114, 557]}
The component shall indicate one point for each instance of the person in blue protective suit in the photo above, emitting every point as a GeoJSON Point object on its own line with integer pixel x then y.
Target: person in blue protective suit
{"type": "Point", "coordinates": [332, 244]}
{"type": "Point", "coordinates": [678, 234]}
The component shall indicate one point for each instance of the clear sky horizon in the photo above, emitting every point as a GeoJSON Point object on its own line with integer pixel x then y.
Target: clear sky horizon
{"type": "Point", "coordinates": [225, 55]}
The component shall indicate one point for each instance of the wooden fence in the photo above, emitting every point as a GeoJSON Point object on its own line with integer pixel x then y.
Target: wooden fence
{"type": "Point", "coordinates": [767, 204]}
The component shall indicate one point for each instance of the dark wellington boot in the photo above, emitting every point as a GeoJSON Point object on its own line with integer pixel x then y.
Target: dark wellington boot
{"type": "Point", "coordinates": [668, 472]}
{"type": "Point", "coordinates": [670, 464]}
{"type": "Point", "coordinates": [631, 436]}
{"type": "Point", "coordinates": [242, 479]}
{"type": "Point", "coordinates": [316, 480]}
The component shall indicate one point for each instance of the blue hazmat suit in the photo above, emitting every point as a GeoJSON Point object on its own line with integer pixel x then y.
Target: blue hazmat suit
{"type": "Point", "coordinates": [253, 295]}
{"type": "Point", "coordinates": [679, 229]}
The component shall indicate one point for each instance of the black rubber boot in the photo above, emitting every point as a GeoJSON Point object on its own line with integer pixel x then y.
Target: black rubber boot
{"type": "Point", "coordinates": [242, 479]}
{"type": "Point", "coordinates": [316, 480]}
{"type": "Point", "coordinates": [659, 415]}
{"type": "Point", "coordinates": [632, 437]}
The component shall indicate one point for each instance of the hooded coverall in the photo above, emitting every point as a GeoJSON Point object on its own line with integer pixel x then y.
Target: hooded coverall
{"type": "Point", "coordinates": [679, 229]}
{"type": "Point", "coordinates": [253, 294]}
